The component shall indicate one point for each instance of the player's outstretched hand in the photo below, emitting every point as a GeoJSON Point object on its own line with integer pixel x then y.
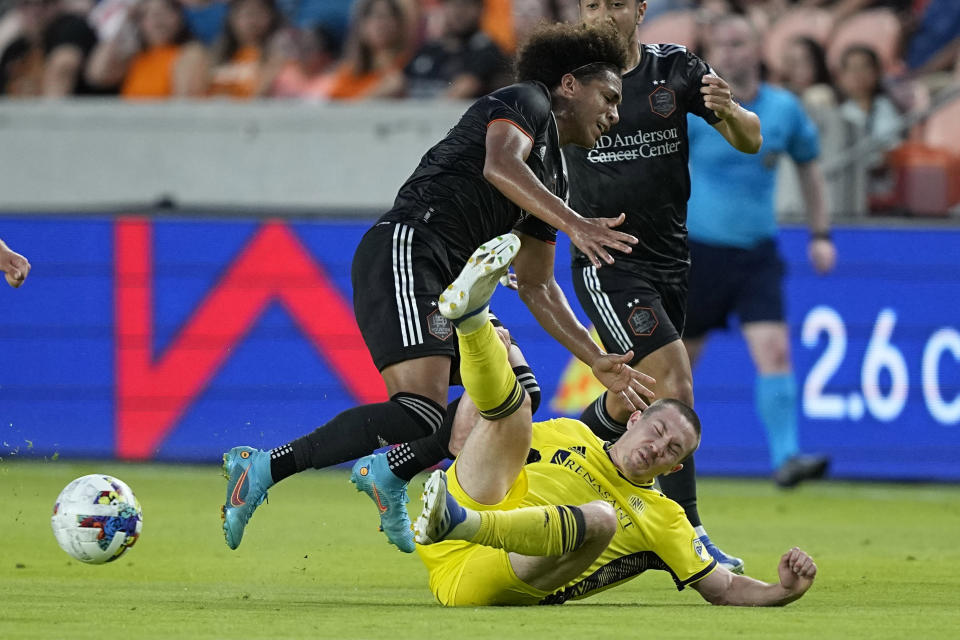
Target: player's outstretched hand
{"type": "Point", "coordinates": [593, 236]}
{"type": "Point", "coordinates": [797, 571]}
{"type": "Point", "coordinates": [14, 266]}
{"type": "Point", "coordinates": [614, 372]}
{"type": "Point", "coordinates": [717, 96]}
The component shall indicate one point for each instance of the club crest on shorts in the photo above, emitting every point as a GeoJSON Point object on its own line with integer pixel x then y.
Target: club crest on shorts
{"type": "Point", "coordinates": [663, 101]}
{"type": "Point", "coordinates": [438, 326]}
{"type": "Point", "coordinates": [643, 321]}
{"type": "Point", "coordinates": [701, 550]}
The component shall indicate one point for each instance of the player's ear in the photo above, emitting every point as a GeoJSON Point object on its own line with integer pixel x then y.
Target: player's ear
{"type": "Point", "coordinates": [674, 470]}
{"type": "Point", "coordinates": [641, 9]}
{"type": "Point", "coordinates": [568, 85]}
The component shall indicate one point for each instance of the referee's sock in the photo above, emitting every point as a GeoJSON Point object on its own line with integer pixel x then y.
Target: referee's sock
{"type": "Point", "coordinates": [357, 432]}
{"type": "Point", "coordinates": [776, 401]}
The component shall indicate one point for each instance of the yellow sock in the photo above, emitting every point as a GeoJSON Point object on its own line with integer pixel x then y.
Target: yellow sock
{"type": "Point", "coordinates": [533, 531]}
{"type": "Point", "coordinates": [487, 375]}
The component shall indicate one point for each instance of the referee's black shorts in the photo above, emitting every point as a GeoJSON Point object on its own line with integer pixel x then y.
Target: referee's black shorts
{"type": "Point", "coordinates": [629, 311]}
{"type": "Point", "coordinates": [728, 280]}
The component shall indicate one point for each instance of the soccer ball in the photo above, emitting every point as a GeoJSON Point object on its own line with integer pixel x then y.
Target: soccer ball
{"type": "Point", "coordinates": [96, 519]}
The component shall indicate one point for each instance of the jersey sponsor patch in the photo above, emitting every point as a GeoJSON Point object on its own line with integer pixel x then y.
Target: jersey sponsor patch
{"type": "Point", "coordinates": [637, 503]}
{"type": "Point", "coordinates": [663, 101]}
{"type": "Point", "coordinates": [643, 321]}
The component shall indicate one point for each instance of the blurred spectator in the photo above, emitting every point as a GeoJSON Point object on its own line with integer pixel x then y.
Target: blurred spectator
{"type": "Point", "coordinates": [309, 75]}
{"type": "Point", "coordinates": [376, 52]}
{"type": "Point", "coordinates": [48, 44]}
{"type": "Point", "coordinates": [527, 14]}
{"type": "Point", "coordinates": [842, 9]}
{"type": "Point", "coordinates": [205, 18]}
{"type": "Point", "coordinates": [935, 43]}
{"type": "Point", "coordinates": [251, 51]}
{"type": "Point", "coordinates": [805, 73]}
{"type": "Point", "coordinates": [333, 14]}
{"type": "Point", "coordinates": [874, 123]}
{"type": "Point", "coordinates": [153, 55]}
{"type": "Point", "coordinates": [462, 63]}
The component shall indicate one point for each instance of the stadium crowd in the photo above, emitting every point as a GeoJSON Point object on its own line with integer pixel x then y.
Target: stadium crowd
{"type": "Point", "coordinates": [868, 71]}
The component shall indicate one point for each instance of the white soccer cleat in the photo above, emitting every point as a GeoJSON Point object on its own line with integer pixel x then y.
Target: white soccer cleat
{"type": "Point", "coordinates": [441, 512]}
{"type": "Point", "coordinates": [478, 279]}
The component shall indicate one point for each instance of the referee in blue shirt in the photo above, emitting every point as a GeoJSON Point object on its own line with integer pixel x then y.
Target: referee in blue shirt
{"type": "Point", "coordinates": [736, 268]}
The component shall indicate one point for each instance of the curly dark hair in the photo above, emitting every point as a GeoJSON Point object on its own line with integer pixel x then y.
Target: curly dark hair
{"type": "Point", "coordinates": [555, 50]}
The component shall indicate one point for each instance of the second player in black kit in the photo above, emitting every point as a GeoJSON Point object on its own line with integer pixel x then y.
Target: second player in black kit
{"type": "Point", "coordinates": [639, 168]}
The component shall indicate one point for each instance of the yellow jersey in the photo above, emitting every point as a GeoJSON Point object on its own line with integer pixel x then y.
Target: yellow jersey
{"type": "Point", "coordinates": [568, 464]}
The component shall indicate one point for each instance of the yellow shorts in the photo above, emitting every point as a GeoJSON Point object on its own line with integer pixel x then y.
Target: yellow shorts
{"type": "Point", "coordinates": [464, 574]}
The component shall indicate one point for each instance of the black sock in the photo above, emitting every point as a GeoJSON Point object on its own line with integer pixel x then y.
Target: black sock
{"type": "Point", "coordinates": [411, 458]}
{"type": "Point", "coordinates": [600, 422]}
{"type": "Point", "coordinates": [529, 382]}
{"type": "Point", "coordinates": [358, 431]}
{"type": "Point", "coordinates": [681, 487]}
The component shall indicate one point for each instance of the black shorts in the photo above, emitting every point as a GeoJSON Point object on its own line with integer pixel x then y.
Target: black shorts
{"type": "Point", "coordinates": [398, 273]}
{"type": "Point", "coordinates": [729, 280]}
{"type": "Point", "coordinates": [628, 311]}
{"type": "Point", "coordinates": [397, 276]}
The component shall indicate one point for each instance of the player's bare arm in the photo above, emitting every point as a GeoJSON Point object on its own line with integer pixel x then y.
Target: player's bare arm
{"type": "Point", "coordinates": [821, 250]}
{"type": "Point", "coordinates": [14, 266]}
{"type": "Point", "coordinates": [740, 127]}
{"type": "Point", "coordinates": [796, 572]}
{"type": "Point", "coordinates": [507, 148]}
{"type": "Point", "coordinates": [543, 296]}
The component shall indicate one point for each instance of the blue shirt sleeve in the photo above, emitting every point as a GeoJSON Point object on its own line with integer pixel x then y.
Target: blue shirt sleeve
{"type": "Point", "coordinates": [804, 142]}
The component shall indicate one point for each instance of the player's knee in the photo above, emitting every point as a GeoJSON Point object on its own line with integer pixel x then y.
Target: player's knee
{"type": "Point", "coordinates": [601, 521]}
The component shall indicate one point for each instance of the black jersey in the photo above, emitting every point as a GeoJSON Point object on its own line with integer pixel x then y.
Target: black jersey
{"type": "Point", "coordinates": [447, 194]}
{"type": "Point", "coordinates": [640, 166]}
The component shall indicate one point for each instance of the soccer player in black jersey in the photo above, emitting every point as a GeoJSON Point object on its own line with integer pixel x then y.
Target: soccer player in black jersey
{"type": "Point", "coordinates": [639, 167]}
{"type": "Point", "coordinates": [499, 169]}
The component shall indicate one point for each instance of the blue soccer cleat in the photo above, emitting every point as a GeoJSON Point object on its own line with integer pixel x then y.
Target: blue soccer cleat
{"type": "Point", "coordinates": [371, 474]}
{"type": "Point", "coordinates": [441, 511]}
{"type": "Point", "coordinates": [731, 563]}
{"type": "Point", "coordinates": [248, 477]}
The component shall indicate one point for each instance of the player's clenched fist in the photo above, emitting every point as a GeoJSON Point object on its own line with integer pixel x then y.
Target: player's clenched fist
{"type": "Point", "coordinates": [14, 266]}
{"type": "Point", "coordinates": [797, 571]}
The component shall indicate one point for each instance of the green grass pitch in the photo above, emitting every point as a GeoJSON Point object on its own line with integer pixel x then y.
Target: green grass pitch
{"type": "Point", "coordinates": [313, 565]}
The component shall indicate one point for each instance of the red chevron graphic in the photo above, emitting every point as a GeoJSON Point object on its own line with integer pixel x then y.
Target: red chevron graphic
{"type": "Point", "coordinates": [153, 395]}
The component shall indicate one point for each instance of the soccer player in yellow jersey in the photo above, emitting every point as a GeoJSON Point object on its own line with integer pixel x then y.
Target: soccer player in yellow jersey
{"type": "Point", "coordinates": [547, 512]}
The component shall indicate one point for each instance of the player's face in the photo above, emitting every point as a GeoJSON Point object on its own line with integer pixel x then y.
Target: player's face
{"type": "Point", "coordinates": [655, 443]}
{"type": "Point", "coordinates": [624, 14]}
{"type": "Point", "coordinates": [595, 104]}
